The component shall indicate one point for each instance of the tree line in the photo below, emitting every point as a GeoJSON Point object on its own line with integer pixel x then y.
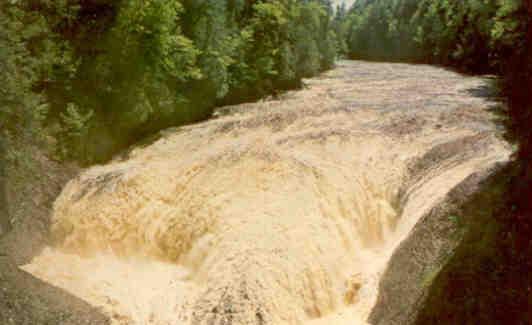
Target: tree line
{"type": "Point", "coordinates": [93, 76]}
{"type": "Point", "coordinates": [475, 36]}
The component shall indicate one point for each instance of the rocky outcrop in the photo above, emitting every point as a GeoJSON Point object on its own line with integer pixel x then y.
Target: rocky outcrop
{"type": "Point", "coordinates": [27, 193]}
{"type": "Point", "coordinates": [414, 266]}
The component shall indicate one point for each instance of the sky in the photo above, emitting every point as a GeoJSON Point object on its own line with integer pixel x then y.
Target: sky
{"type": "Point", "coordinates": [347, 2]}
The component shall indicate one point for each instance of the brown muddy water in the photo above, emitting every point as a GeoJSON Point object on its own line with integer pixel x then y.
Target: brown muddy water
{"type": "Point", "coordinates": [284, 211]}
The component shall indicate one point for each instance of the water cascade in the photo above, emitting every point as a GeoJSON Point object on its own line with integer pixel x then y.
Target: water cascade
{"type": "Point", "coordinates": [284, 211]}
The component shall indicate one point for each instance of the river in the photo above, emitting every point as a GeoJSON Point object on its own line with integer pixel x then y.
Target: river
{"type": "Point", "coordinates": [284, 211]}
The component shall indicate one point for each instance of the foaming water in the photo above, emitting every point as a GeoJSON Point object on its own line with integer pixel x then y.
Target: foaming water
{"type": "Point", "coordinates": [131, 291]}
{"type": "Point", "coordinates": [282, 212]}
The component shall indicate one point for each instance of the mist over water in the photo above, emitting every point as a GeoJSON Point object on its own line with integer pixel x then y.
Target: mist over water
{"type": "Point", "coordinates": [280, 212]}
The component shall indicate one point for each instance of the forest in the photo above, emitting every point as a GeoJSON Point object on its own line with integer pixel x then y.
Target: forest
{"type": "Point", "coordinates": [86, 78]}
{"type": "Point", "coordinates": [473, 36]}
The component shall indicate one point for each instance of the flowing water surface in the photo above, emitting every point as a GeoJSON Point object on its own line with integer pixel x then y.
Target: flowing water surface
{"type": "Point", "coordinates": [284, 211]}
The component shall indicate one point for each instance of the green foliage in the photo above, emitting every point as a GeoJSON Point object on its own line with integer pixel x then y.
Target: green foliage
{"type": "Point", "coordinates": [480, 36]}
{"type": "Point", "coordinates": [340, 27]}
{"type": "Point", "coordinates": [29, 53]}
{"type": "Point", "coordinates": [109, 72]}
{"type": "Point", "coordinates": [21, 109]}
{"type": "Point", "coordinates": [75, 129]}
{"type": "Point", "coordinates": [451, 32]}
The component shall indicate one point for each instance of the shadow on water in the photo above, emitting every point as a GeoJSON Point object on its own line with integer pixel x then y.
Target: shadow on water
{"type": "Point", "coordinates": [490, 90]}
{"type": "Point", "coordinates": [487, 90]}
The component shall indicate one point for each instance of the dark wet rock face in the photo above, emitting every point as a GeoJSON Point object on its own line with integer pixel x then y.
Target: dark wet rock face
{"type": "Point", "coordinates": [26, 198]}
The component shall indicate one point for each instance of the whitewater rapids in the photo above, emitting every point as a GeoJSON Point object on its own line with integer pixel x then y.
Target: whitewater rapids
{"type": "Point", "coordinates": [284, 211]}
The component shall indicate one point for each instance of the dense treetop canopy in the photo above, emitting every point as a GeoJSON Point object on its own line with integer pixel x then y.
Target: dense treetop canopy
{"type": "Point", "coordinates": [478, 36]}
{"type": "Point", "coordinates": [100, 74]}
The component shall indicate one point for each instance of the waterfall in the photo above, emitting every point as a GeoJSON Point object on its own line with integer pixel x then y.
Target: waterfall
{"type": "Point", "coordinates": [280, 212]}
